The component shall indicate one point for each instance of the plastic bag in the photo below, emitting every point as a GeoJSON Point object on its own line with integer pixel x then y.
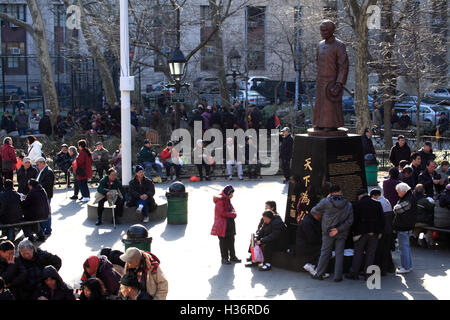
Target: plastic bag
{"type": "Point", "coordinates": [257, 254]}
{"type": "Point", "coordinates": [158, 162]}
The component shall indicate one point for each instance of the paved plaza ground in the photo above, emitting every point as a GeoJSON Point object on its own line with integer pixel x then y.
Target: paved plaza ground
{"type": "Point", "coordinates": [190, 256]}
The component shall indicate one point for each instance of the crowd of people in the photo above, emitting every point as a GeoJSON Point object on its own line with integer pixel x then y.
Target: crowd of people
{"type": "Point", "coordinates": [29, 273]}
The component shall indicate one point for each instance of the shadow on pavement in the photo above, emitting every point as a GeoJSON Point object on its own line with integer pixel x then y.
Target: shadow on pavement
{"type": "Point", "coordinates": [174, 232]}
{"type": "Point", "coordinates": [222, 282]}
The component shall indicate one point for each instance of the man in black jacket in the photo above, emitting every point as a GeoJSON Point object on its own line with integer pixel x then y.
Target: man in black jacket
{"type": "Point", "coordinates": [309, 240]}
{"type": "Point", "coordinates": [142, 191]}
{"type": "Point", "coordinates": [35, 207]}
{"type": "Point", "coordinates": [10, 210]}
{"type": "Point", "coordinates": [24, 174]}
{"type": "Point", "coordinates": [368, 225]}
{"type": "Point", "coordinates": [8, 123]}
{"type": "Point", "coordinates": [256, 118]}
{"type": "Point", "coordinates": [429, 179]}
{"type": "Point", "coordinates": [64, 162]}
{"type": "Point", "coordinates": [35, 260]}
{"type": "Point", "coordinates": [400, 151]}
{"type": "Point", "coordinates": [11, 269]}
{"type": "Point", "coordinates": [45, 125]}
{"type": "Point", "coordinates": [405, 213]}
{"type": "Point", "coordinates": [271, 237]}
{"type": "Point", "coordinates": [426, 154]}
{"type": "Point", "coordinates": [46, 179]}
{"type": "Point", "coordinates": [287, 143]}
{"type": "Point", "coordinates": [367, 143]}
{"type": "Point", "coordinates": [416, 166]}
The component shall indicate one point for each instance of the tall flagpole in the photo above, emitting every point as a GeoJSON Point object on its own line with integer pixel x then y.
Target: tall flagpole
{"type": "Point", "coordinates": [126, 86]}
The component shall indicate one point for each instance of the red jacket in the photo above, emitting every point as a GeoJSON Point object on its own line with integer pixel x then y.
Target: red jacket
{"type": "Point", "coordinates": [84, 161]}
{"type": "Point", "coordinates": [8, 153]}
{"type": "Point", "coordinates": [224, 209]}
{"type": "Point", "coordinates": [166, 154]}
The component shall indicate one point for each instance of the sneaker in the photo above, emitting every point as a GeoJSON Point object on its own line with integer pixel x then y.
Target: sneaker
{"type": "Point", "coordinates": [310, 268]}
{"type": "Point", "coordinates": [317, 277]}
{"type": "Point", "coordinates": [251, 264]}
{"type": "Point", "coordinates": [84, 200]}
{"type": "Point", "coordinates": [265, 267]}
{"type": "Point", "coordinates": [74, 197]}
{"type": "Point", "coordinates": [169, 178]}
{"type": "Point", "coordinates": [146, 219]}
{"type": "Point", "coordinates": [139, 209]}
{"type": "Point", "coordinates": [99, 222]}
{"type": "Point", "coordinates": [326, 275]}
{"type": "Point", "coordinates": [235, 259]}
{"type": "Point", "coordinates": [402, 270]}
{"type": "Point", "coordinates": [230, 178]}
{"type": "Point", "coordinates": [174, 178]}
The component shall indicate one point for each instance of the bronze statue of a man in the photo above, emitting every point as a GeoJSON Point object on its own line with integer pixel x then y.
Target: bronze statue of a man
{"type": "Point", "coordinates": [332, 71]}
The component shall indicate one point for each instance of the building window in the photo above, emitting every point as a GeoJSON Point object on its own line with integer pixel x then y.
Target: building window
{"type": "Point", "coordinates": [208, 52]}
{"type": "Point", "coordinates": [14, 65]}
{"type": "Point", "coordinates": [164, 34]}
{"type": "Point", "coordinates": [256, 18]}
{"type": "Point", "coordinates": [15, 10]}
{"type": "Point", "coordinates": [59, 16]}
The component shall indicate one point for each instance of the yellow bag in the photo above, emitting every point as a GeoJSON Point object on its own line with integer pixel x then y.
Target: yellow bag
{"type": "Point", "coordinates": [437, 134]}
{"type": "Point", "coordinates": [157, 180]}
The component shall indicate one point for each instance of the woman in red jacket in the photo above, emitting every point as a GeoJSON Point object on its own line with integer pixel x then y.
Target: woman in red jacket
{"type": "Point", "coordinates": [9, 160]}
{"type": "Point", "coordinates": [224, 226]}
{"type": "Point", "coordinates": [170, 158]}
{"type": "Point", "coordinates": [83, 169]}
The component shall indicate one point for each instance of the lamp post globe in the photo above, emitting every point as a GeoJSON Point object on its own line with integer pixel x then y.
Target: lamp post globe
{"type": "Point", "coordinates": [177, 64]}
{"type": "Point", "coordinates": [234, 60]}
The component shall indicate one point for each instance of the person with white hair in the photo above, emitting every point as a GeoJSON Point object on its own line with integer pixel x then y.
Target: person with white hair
{"type": "Point", "coordinates": [405, 212]}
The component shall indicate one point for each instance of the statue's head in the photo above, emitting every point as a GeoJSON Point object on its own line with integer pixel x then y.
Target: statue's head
{"type": "Point", "coordinates": [327, 28]}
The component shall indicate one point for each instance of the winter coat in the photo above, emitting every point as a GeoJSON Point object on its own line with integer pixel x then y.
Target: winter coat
{"type": "Point", "coordinates": [8, 124]}
{"type": "Point", "coordinates": [368, 217]}
{"type": "Point", "coordinates": [167, 155]}
{"type": "Point", "coordinates": [426, 179]}
{"type": "Point", "coordinates": [398, 154]}
{"type": "Point", "coordinates": [35, 206]}
{"type": "Point", "coordinates": [146, 155]}
{"type": "Point", "coordinates": [8, 153]}
{"type": "Point", "coordinates": [63, 161]}
{"type": "Point", "coordinates": [227, 119]}
{"type": "Point", "coordinates": [22, 121]}
{"type": "Point", "coordinates": [286, 148]}
{"type": "Point", "coordinates": [23, 176]}
{"type": "Point", "coordinates": [34, 151]}
{"type": "Point", "coordinates": [425, 156]}
{"type": "Point", "coordinates": [443, 174]}
{"type": "Point", "coordinates": [367, 145]}
{"type": "Point", "coordinates": [34, 122]}
{"type": "Point", "coordinates": [416, 172]}
{"type": "Point", "coordinates": [10, 209]}
{"type": "Point", "coordinates": [309, 231]}
{"type": "Point", "coordinates": [443, 125]}
{"type": "Point", "coordinates": [239, 116]}
{"type": "Point", "coordinates": [256, 118]}
{"type": "Point", "coordinates": [405, 213]}
{"type": "Point", "coordinates": [105, 272]}
{"type": "Point", "coordinates": [36, 265]}
{"type": "Point", "coordinates": [84, 161]}
{"type": "Point", "coordinates": [14, 274]}
{"type": "Point", "coordinates": [100, 157]}
{"type": "Point", "coordinates": [45, 126]}
{"type": "Point", "coordinates": [156, 283]}
{"type": "Point", "coordinates": [104, 186]}
{"type": "Point", "coordinates": [425, 209]}
{"type": "Point", "coordinates": [223, 210]}
{"type": "Point", "coordinates": [337, 212]}
{"type": "Point", "coordinates": [137, 189]}
{"type": "Point", "coordinates": [206, 120]}
{"type": "Point", "coordinates": [409, 181]}
{"type": "Point", "coordinates": [389, 190]}
{"type": "Point", "coordinates": [47, 180]}
{"type": "Point", "coordinates": [274, 232]}
{"type": "Point", "coordinates": [62, 291]}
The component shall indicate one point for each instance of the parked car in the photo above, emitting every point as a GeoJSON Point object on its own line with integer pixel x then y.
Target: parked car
{"type": "Point", "coordinates": [206, 84]}
{"type": "Point", "coordinates": [252, 81]}
{"type": "Point", "coordinates": [439, 94]}
{"type": "Point", "coordinates": [404, 103]}
{"type": "Point", "coordinates": [429, 114]}
{"type": "Point", "coordinates": [348, 104]}
{"type": "Point", "coordinates": [157, 88]}
{"type": "Point", "coordinates": [253, 98]}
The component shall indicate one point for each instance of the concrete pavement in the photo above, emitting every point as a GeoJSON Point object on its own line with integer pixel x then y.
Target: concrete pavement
{"type": "Point", "coordinates": [190, 256]}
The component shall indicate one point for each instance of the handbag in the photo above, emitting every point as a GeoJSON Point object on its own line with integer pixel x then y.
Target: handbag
{"type": "Point", "coordinates": [257, 254]}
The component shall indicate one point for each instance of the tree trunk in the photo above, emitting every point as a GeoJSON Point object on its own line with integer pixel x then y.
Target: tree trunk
{"type": "Point", "coordinates": [102, 65]}
{"type": "Point", "coordinates": [361, 77]}
{"type": "Point", "coordinates": [45, 66]}
{"type": "Point", "coordinates": [220, 61]}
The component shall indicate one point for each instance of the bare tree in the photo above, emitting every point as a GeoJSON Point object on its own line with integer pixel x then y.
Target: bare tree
{"type": "Point", "coordinates": [37, 31]}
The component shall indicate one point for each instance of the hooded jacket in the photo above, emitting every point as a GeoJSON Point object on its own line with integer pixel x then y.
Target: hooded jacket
{"type": "Point", "coordinates": [62, 291]}
{"type": "Point", "coordinates": [103, 269]}
{"type": "Point", "coordinates": [337, 212]}
{"type": "Point", "coordinates": [35, 151]}
{"type": "Point", "coordinates": [398, 154]}
{"type": "Point", "coordinates": [223, 210]}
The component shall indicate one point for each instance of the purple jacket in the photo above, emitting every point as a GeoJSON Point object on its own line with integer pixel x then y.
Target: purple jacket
{"type": "Point", "coordinates": [206, 120]}
{"type": "Point", "coordinates": [389, 190]}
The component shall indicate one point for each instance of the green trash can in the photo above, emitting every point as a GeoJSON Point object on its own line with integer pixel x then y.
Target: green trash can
{"type": "Point", "coordinates": [371, 171]}
{"type": "Point", "coordinates": [137, 236]}
{"type": "Point", "coordinates": [177, 207]}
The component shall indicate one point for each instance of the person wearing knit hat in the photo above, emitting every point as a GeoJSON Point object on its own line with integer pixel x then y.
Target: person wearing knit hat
{"type": "Point", "coordinates": [142, 191]}
{"type": "Point", "coordinates": [130, 289]}
{"type": "Point", "coordinates": [224, 226]}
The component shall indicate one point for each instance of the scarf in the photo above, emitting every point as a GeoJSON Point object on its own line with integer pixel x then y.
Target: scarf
{"type": "Point", "coordinates": [148, 259]}
{"type": "Point", "coordinates": [93, 263]}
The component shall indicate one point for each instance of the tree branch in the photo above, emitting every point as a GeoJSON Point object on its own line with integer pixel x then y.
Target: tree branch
{"type": "Point", "coordinates": [18, 22]}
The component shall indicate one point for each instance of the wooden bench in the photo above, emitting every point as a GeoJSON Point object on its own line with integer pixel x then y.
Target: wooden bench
{"type": "Point", "coordinates": [18, 226]}
{"type": "Point", "coordinates": [129, 213]}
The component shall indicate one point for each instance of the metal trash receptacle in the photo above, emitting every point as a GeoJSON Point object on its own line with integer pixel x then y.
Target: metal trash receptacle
{"type": "Point", "coordinates": [137, 236]}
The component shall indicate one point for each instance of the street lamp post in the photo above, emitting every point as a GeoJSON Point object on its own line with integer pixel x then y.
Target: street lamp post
{"type": "Point", "coordinates": [177, 65]}
{"type": "Point", "coordinates": [234, 63]}
{"type": "Point", "coordinates": [126, 86]}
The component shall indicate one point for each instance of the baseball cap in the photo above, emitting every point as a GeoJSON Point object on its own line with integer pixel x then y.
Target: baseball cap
{"type": "Point", "coordinates": [131, 254]}
{"type": "Point", "coordinates": [139, 168]}
{"type": "Point", "coordinates": [285, 129]}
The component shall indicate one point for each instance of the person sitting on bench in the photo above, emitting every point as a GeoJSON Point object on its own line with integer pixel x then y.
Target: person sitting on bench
{"type": "Point", "coordinates": [35, 207]}
{"type": "Point", "coordinates": [107, 187]}
{"type": "Point", "coordinates": [425, 218]}
{"type": "Point", "coordinates": [272, 237]}
{"type": "Point", "coordinates": [10, 210]}
{"type": "Point", "coordinates": [308, 241]}
{"type": "Point", "coordinates": [142, 191]}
